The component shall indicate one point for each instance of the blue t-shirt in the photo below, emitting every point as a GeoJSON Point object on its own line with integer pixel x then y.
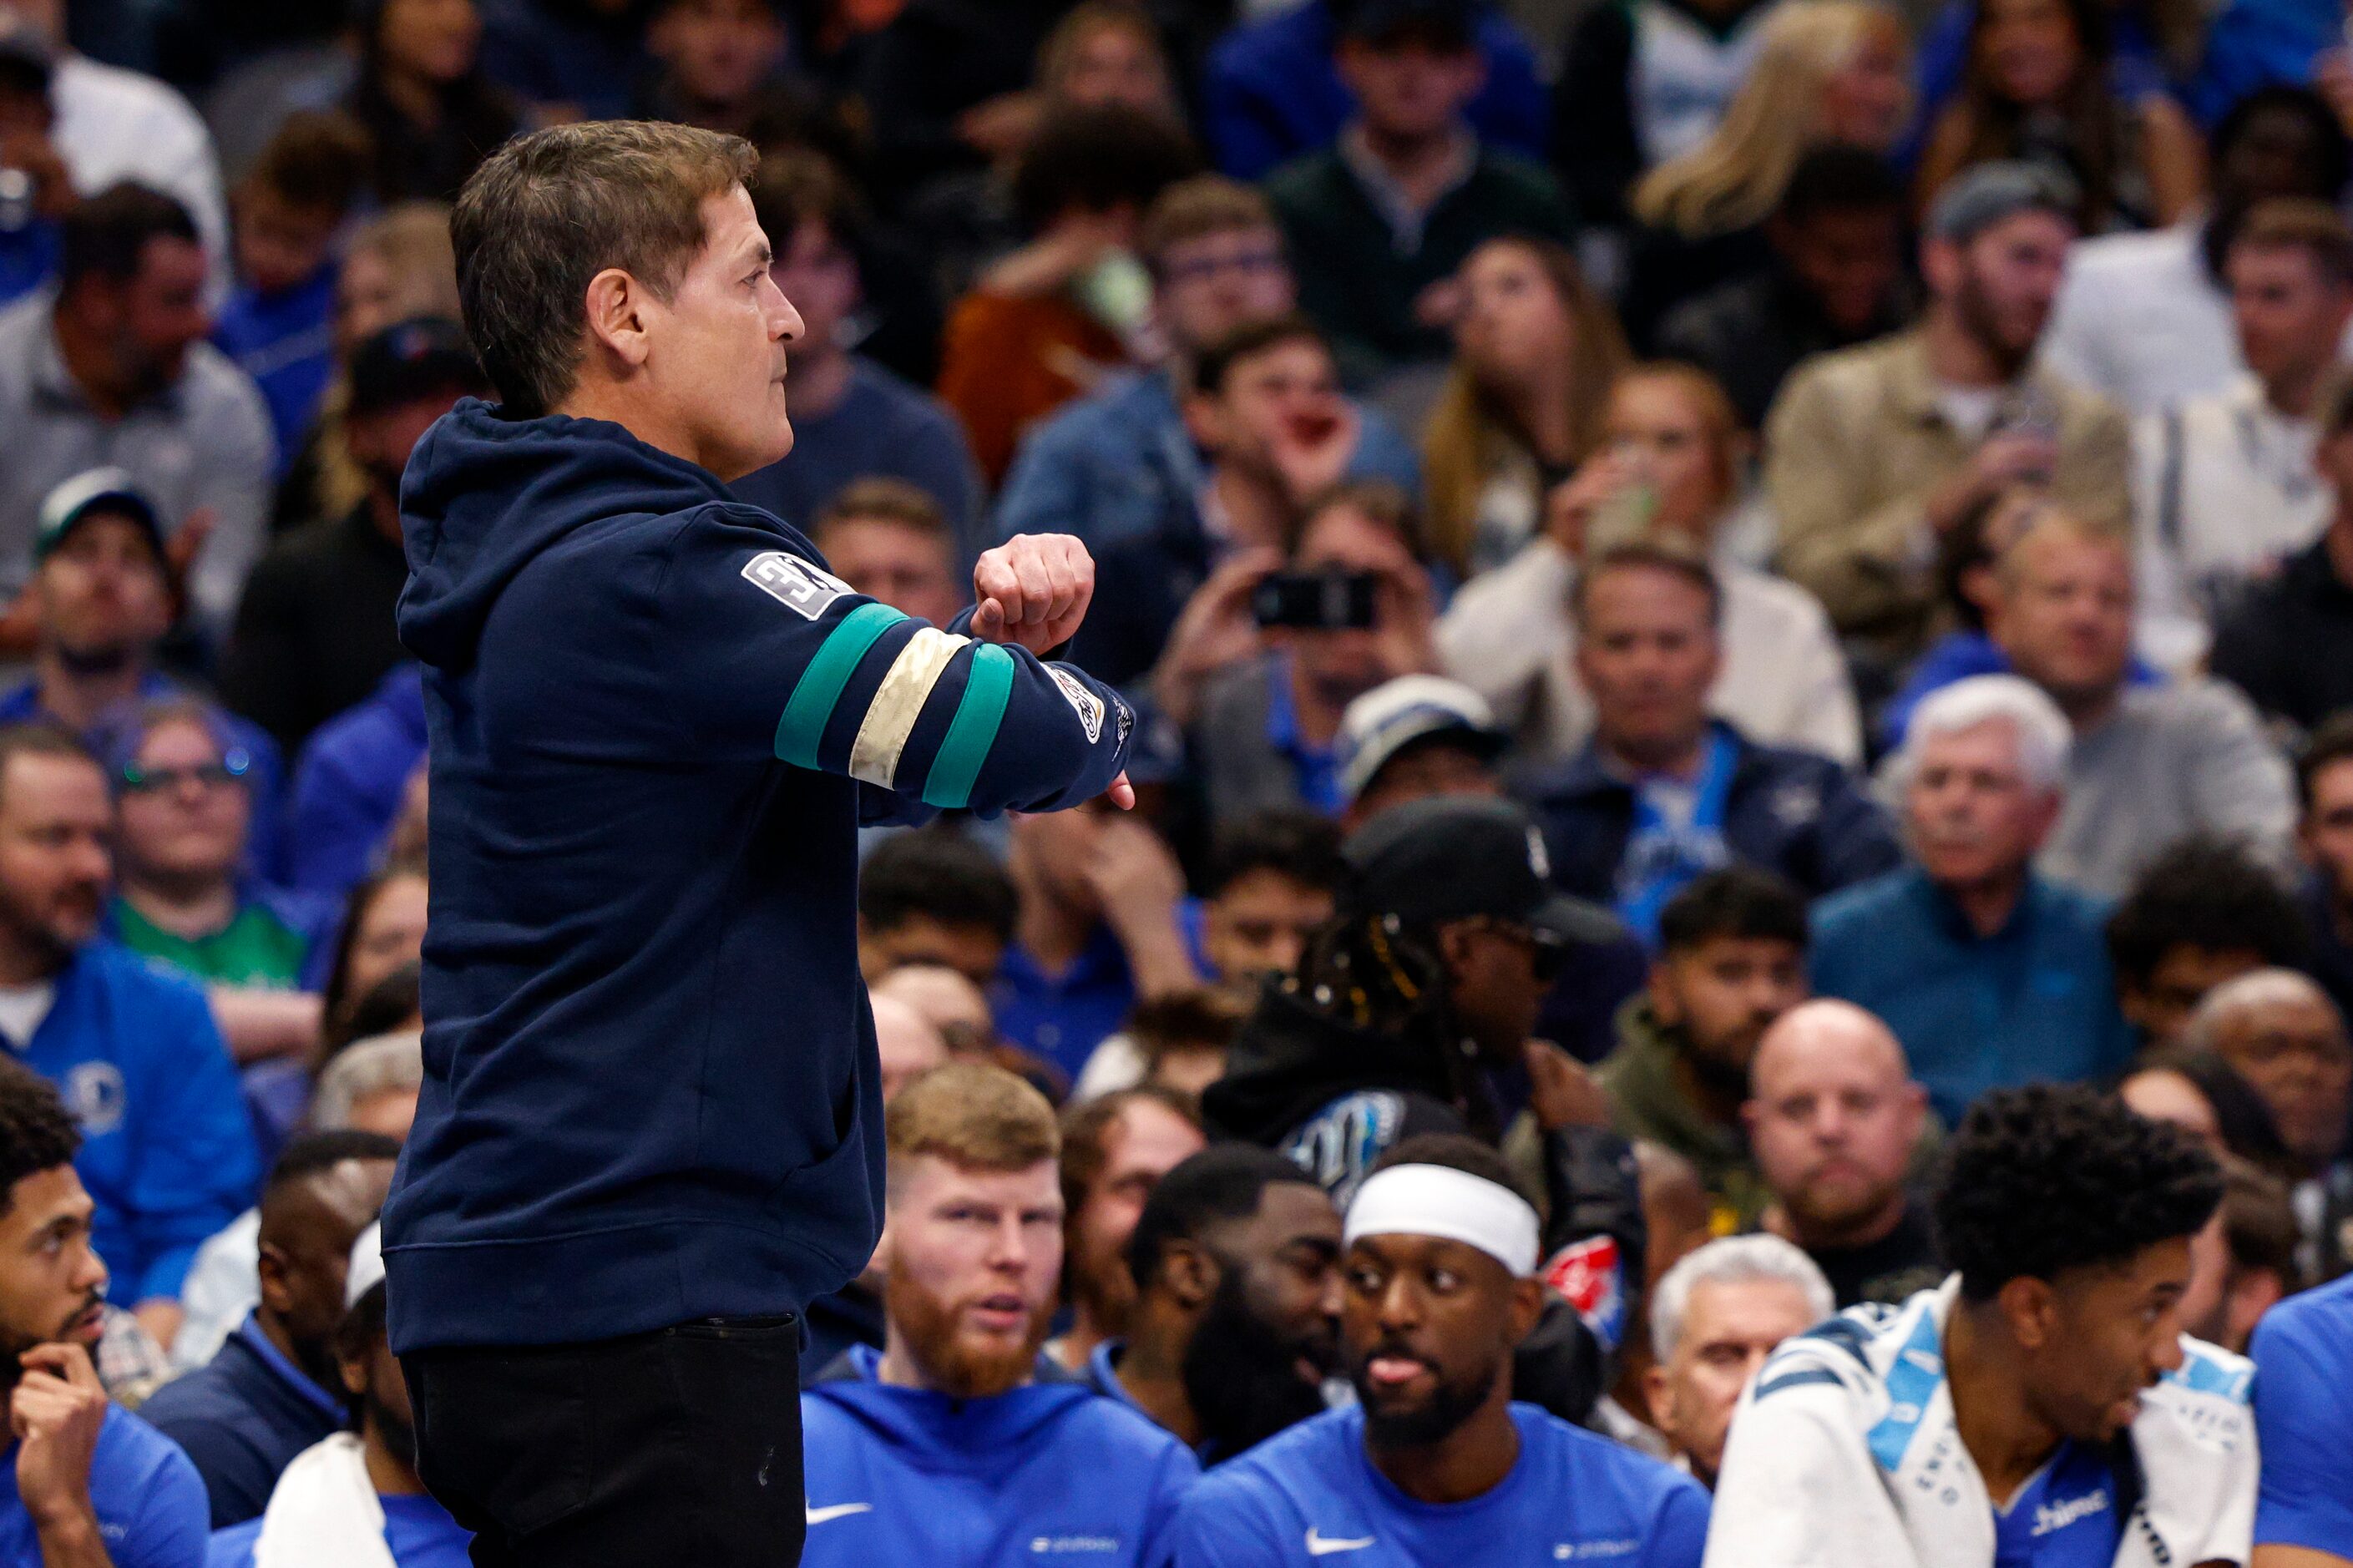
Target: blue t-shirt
{"type": "Point", "coordinates": [149, 1503]}
{"type": "Point", "coordinates": [1063, 1018]}
{"type": "Point", "coordinates": [1312, 1493]}
{"type": "Point", "coordinates": [2304, 1420]}
{"type": "Point", "coordinates": [420, 1532]}
{"type": "Point", "coordinates": [2065, 1517]}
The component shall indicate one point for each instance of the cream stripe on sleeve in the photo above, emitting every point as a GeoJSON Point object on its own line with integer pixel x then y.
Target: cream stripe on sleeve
{"type": "Point", "coordinates": [898, 703]}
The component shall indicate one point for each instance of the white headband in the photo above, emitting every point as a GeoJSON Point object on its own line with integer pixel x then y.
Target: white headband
{"type": "Point", "coordinates": [1451, 1204]}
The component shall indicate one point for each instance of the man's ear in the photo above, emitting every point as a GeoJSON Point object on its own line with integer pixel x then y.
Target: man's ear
{"type": "Point", "coordinates": [354, 1375]}
{"type": "Point", "coordinates": [1528, 1295]}
{"type": "Point", "coordinates": [617, 318]}
{"type": "Point", "coordinates": [2031, 1308]}
{"type": "Point", "coordinates": [1202, 422]}
{"type": "Point", "coordinates": [271, 1267]}
{"type": "Point", "coordinates": [1190, 1274]}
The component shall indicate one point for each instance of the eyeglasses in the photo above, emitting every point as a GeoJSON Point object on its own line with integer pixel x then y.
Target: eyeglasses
{"type": "Point", "coordinates": [1199, 267]}
{"type": "Point", "coordinates": [231, 769]}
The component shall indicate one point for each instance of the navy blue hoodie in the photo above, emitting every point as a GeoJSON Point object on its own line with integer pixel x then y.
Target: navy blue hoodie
{"type": "Point", "coordinates": [656, 723]}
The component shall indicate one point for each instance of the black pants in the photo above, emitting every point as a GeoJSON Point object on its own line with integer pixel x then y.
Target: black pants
{"type": "Point", "coordinates": [678, 1447]}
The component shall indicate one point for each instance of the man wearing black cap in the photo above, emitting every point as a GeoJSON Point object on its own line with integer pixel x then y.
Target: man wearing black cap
{"type": "Point", "coordinates": [314, 631]}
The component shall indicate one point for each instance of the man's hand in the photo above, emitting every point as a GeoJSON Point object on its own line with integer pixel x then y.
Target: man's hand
{"type": "Point", "coordinates": [1569, 508]}
{"type": "Point", "coordinates": [1561, 1092]}
{"type": "Point", "coordinates": [1215, 628]}
{"type": "Point", "coordinates": [1404, 619]}
{"type": "Point", "coordinates": [1033, 590]}
{"type": "Point", "coordinates": [1139, 884]}
{"type": "Point", "coordinates": [55, 1412]}
{"type": "Point", "coordinates": [2016, 458]}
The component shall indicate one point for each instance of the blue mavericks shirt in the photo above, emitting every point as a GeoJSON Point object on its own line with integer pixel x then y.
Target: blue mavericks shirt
{"type": "Point", "coordinates": [2063, 1518]}
{"type": "Point", "coordinates": [418, 1531]}
{"type": "Point", "coordinates": [2304, 1420]}
{"type": "Point", "coordinates": [1311, 1496]}
{"type": "Point", "coordinates": [150, 1504]}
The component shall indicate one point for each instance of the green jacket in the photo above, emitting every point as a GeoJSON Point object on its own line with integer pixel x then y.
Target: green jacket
{"type": "Point", "coordinates": [1648, 1103]}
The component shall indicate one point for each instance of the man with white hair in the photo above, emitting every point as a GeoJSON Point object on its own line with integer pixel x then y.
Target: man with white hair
{"type": "Point", "coordinates": [1989, 973]}
{"type": "Point", "coordinates": [1714, 1320]}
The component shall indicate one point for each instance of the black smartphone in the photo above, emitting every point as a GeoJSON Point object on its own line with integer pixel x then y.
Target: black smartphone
{"type": "Point", "coordinates": [1317, 601]}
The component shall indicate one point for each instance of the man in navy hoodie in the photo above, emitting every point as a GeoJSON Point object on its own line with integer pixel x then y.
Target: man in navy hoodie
{"type": "Point", "coordinates": [959, 1442]}
{"type": "Point", "coordinates": [650, 1131]}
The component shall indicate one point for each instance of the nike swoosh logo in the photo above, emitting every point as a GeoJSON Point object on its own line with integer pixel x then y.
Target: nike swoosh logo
{"type": "Point", "coordinates": [837, 1511]}
{"type": "Point", "coordinates": [1324, 1545]}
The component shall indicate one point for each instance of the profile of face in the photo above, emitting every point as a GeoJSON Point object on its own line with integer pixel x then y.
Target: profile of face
{"type": "Point", "coordinates": [903, 566]}
{"type": "Point", "coordinates": [1114, 63]}
{"type": "Point", "coordinates": [2063, 612]}
{"type": "Point", "coordinates": [1513, 330]}
{"type": "Point", "coordinates": [2162, 1094]}
{"type": "Point", "coordinates": [390, 932]}
{"type": "Point", "coordinates": [184, 807]}
{"type": "Point", "coordinates": [905, 1042]}
{"type": "Point", "coordinates": [1729, 1327]}
{"type": "Point", "coordinates": [308, 1227]}
{"type": "Point", "coordinates": [1212, 284]}
{"type": "Point", "coordinates": [2290, 314]}
{"type": "Point", "coordinates": [375, 1381]}
{"type": "Point", "coordinates": [1259, 923]}
{"type": "Point", "coordinates": [2000, 284]}
{"type": "Point", "coordinates": [1344, 664]}
{"type": "Point", "coordinates": [433, 40]}
{"type": "Point", "coordinates": [1658, 425]}
{"type": "Point", "coordinates": [719, 51]}
{"type": "Point", "coordinates": [1867, 101]}
{"type": "Point", "coordinates": [147, 323]}
{"type": "Point", "coordinates": [2029, 51]}
{"type": "Point", "coordinates": [1269, 1334]}
{"type": "Point", "coordinates": [1410, 90]}
{"type": "Point", "coordinates": [2327, 831]}
{"type": "Point", "coordinates": [52, 1284]}
{"type": "Point", "coordinates": [381, 441]}
{"type": "Point", "coordinates": [2161, 1006]}
{"type": "Point", "coordinates": [101, 594]}
{"type": "Point", "coordinates": [2290, 1044]}
{"type": "Point", "coordinates": [974, 1259]}
{"type": "Point", "coordinates": [1498, 975]}
{"type": "Point", "coordinates": [818, 272]}
{"type": "Point", "coordinates": [1428, 1328]}
{"type": "Point", "coordinates": [1648, 653]}
{"type": "Point", "coordinates": [57, 831]}
{"type": "Point", "coordinates": [1833, 1117]}
{"type": "Point", "coordinates": [1724, 993]}
{"type": "Point", "coordinates": [1144, 1141]}
{"type": "Point", "coordinates": [1973, 817]}
{"type": "Point", "coordinates": [1848, 259]}
{"type": "Point", "coordinates": [372, 292]}
{"type": "Point", "coordinates": [1438, 765]}
{"type": "Point", "coordinates": [2094, 1338]}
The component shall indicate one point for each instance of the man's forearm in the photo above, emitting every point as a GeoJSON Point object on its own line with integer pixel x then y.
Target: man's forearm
{"type": "Point", "coordinates": [73, 1540]}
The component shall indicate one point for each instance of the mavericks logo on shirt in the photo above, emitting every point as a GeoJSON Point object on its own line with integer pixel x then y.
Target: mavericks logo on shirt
{"type": "Point", "coordinates": [95, 1094]}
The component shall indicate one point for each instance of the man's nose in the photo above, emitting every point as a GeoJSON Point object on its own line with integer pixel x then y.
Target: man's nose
{"type": "Point", "coordinates": [784, 323]}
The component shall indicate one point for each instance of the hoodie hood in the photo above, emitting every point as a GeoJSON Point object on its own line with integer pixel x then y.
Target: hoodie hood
{"type": "Point", "coordinates": [986, 1437]}
{"type": "Point", "coordinates": [485, 494]}
{"type": "Point", "coordinates": [1290, 1061]}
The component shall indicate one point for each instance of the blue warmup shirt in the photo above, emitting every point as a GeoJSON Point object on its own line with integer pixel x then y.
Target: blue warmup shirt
{"type": "Point", "coordinates": [241, 1417]}
{"type": "Point", "coordinates": [1063, 1018]}
{"type": "Point", "coordinates": [420, 1532]}
{"type": "Point", "coordinates": [1048, 1471]}
{"type": "Point", "coordinates": [2304, 1420]}
{"type": "Point", "coordinates": [167, 1147]}
{"type": "Point", "coordinates": [2063, 1517]}
{"type": "Point", "coordinates": [149, 1503]}
{"type": "Point", "coordinates": [1312, 1493]}
{"type": "Point", "coordinates": [657, 721]}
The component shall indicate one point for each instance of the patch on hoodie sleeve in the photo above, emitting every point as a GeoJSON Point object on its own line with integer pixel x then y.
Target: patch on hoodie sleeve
{"type": "Point", "coordinates": [801, 586]}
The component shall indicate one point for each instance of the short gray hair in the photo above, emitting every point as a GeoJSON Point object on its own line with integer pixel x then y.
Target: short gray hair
{"type": "Point", "coordinates": [1733, 1260]}
{"type": "Point", "coordinates": [2044, 733]}
{"type": "Point", "coordinates": [364, 1067]}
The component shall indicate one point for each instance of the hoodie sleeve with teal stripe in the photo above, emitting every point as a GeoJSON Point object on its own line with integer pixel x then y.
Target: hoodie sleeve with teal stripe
{"type": "Point", "coordinates": [783, 658]}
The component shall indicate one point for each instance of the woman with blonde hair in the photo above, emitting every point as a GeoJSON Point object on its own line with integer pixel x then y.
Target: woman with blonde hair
{"type": "Point", "coordinates": [1827, 72]}
{"type": "Point", "coordinates": [1669, 467]}
{"type": "Point", "coordinates": [1536, 349]}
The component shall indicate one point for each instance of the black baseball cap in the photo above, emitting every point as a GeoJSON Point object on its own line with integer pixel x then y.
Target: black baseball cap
{"type": "Point", "coordinates": [1455, 857]}
{"type": "Point", "coordinates": [1453, 24]}
{"type": "Point", "coordinates": [423, 356]}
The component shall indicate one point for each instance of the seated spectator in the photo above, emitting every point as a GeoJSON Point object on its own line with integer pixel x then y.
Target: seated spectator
{"type": "Point", "coordinates": [2068, 1220]}
{"type": "Point", "coordinates": [2287, 1039]}
{"type": "Point", "coordinates": [2200, 1091]}
{"type": "Point", "coordinates": [2244, 1262]}
{"type": "Point", "coordinates": [314, 635]}
{"type": "Point", "coordinates": [2036, 84]}
{"type": "Point", "coordinates": [273, 1388]}
{"type": "Point", "coordinates": [888, 539]}
{"type": "Point", "coordinates": [1412, 738]}
{"type": "Point", "coordinates": [853, 420]}
{"type": "Point", "coordinates": [169, 1149]}
{"type": "Point", "coordinates": [1116, 1149]}
{"type": "Point", "coordinates": [423, 99]}
{"type": "Point", "coordinates": [382, 932]}
{"type": "Point", "coordinates": [88, 1481]}
{"type": "Point", "coordinates": [2201, 914]}
{"type": "Point", "coordinates": [1272, 90]}
{"type": "Point", "coordinates": [2324, 782]}
{"type": "Point", "coordinates": [906, 1043]}
{"type": "Point", "coordinates": [1732, 959]}
{"type": "Point", "coordinates": [2225, 485]}
{"type": "Point", "coordinates": [1386, 214]}
{"type": "Point", "coordinates": [1234, 1266]}
{"type": "Point", "coordinates": [1120, 464]}
{"type": "Point", "coordinates": [354, 1496]}
{"type": "Point", "coordinates": [1835, 280]}
{"type": "Point", "coordinates": [2152, 47]}
{"type": "Point", "coordinates": [1873, 454]}
{"type": "Point", "coordinates": [1826, 74]}
{"type": "Point", "coordinates": [2288, 643]}
{"type": "Point", "coordinates": [1265, 730]}
{"type": "Point", "coordinates": [973, 1253]}
{"type": "Point", "coordinates": [565, 60]}
{"type": "Point", "coordinates": [1434, 1463]}
{"type": "Point", "coordinates": [1662, 792]}
{"type": "Point", "coordinates": [1535, 351]}
{"type": "Point", "coordinates": [2145, 319]}
{"type": "Point", "coordinates": [1838, 1128]}
{"type": "Point", "coordinates": [1669, 467]}
{"type": "Point", "coordinates": [933, 897]}
{"type": "Point", "coordinates": [1183, 1040]}
{"type": "Point", "coordinates": [289, 207]}
{"type": "Point", "coordinates": [2302, 1354]}
{"type": "Point", "coordinates": [350, 781]}
{"type": "Point", "coordinates": [722, 66]}
{"type": "Point", "coordinates": [1990, 972]}
{"type": "Point", "coordinates": [111, 368]}
{"type": "Point", "coordinates": [1714, 1318]}
{"type": "Point", "coordinates": [1050, 321]}
{"type": "Point", "coordinates": [371, 1085]}
{"type": "Point", "coordinates": [1271, 881]}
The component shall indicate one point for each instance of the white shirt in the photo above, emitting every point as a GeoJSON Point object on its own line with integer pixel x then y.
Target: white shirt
{"type": "Point", "coordinates": [2140, 318]}
{"type": "Point", "coordinates": [22, 1008]}
{"type": "Point", "coordinates": [114, 124]}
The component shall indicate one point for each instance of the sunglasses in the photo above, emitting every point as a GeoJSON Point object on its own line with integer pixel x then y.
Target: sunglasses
{"type": "Point", "coordinates": [231, 769]}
